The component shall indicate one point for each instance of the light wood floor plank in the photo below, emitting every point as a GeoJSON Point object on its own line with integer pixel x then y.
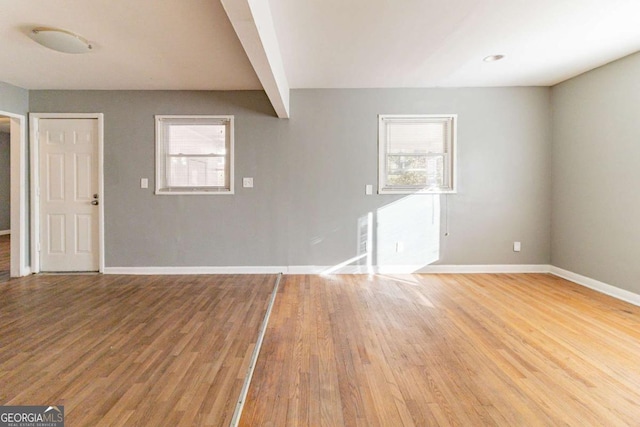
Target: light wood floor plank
{"type": "Point", "coordinates": [480, 349]}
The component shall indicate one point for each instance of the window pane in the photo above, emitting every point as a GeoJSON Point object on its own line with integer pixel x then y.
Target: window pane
{"type": "Point", "coordinates": [416, 137]}
{"type": "Point", "coordinates": [194, 154]}
{"type": "Point", "coordinates": [415, 171]}
{"type": "Point", "coordinates": [196, 139]}
{"type": "Point", "coordinates": [435, 171]}
{"type": "Point", "coordinates": [196, 172]}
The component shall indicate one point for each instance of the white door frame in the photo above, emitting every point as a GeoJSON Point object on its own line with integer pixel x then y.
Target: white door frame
{"type": "Point", "coordinates": [34, 123]}
{"type": "Point", "coordinates": [19, 237]}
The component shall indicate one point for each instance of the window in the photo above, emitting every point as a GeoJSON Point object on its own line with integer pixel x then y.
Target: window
{"type": "Point", "coordinates": [194, 154]}
{"type": "Point", "coordinates": [416, 154]}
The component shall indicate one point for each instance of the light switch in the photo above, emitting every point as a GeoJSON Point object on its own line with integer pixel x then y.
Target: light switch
{"type": "Point", "coordinates": [516, 246]}
{"type": "Point", "coordinates": [144, 183]}
{"type": "Point", "coordinates": [247, 182]}
{"type": "Point", "coordinates": [368, 189]}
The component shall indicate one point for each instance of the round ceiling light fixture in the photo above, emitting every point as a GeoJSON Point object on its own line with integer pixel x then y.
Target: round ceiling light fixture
{"type": "Point", "coordinates": [61, 40]}
{"type": "Point", "coordinates": [493, 58]}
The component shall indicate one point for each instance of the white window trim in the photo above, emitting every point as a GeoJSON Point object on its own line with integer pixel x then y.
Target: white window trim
{"type": "Point", "coordinates": [160, 157]}
{"type": "Point", "coordinates": [382, 155]}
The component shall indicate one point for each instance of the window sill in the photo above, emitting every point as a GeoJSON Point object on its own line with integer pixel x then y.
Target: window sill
{"type": "Point", "coordinates": [416, 191]}
{"type": "Point", "coordinates": [193, 193]}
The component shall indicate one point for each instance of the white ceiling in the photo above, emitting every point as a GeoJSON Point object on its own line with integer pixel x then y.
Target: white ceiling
{"type": "Point", "coordinates": [138, 44]}
{"type": "Point", "coordinates": [190, 44]}
{"type": "Point", "coordinates": [430, 43]}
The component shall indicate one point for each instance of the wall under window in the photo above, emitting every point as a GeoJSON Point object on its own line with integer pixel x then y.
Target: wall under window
{"type": "Point", "coordinates": [308, 205]}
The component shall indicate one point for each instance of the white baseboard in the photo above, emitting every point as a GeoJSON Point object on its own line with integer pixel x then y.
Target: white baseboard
{"type": "Point", "coordinates": [4, 232]}
{"type": "Point", "coordinates": [596, 285]}
{"type": "Point", "coordinates": [193, 270]}
{"type": "Point", "coordinates": [410, 269]}
{"type": "Point", "coordinates": [327, 269]}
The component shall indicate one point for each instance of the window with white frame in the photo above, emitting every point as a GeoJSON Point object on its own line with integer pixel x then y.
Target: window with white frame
{"type": "Point", "coordinates": [416, 153]}
{"type": "Point", "coordinates": [194, 154]}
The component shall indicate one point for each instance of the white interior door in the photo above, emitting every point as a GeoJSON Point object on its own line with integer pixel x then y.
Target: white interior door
{"type": "Point", "coordinates": [69, 197]}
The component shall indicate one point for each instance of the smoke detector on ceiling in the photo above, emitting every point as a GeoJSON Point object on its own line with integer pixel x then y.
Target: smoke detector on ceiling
{"type": "Point", "coordinates": [493, 58]}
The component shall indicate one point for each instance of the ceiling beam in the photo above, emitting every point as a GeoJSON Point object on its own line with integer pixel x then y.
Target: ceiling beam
{"type": "Point", "coordinates": [251, 19]}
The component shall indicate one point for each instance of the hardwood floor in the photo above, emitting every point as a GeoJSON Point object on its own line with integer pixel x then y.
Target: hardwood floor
{"type": "Point", "coordinates": [130, 350]}
{"type": "Point", "coordinates": [469, 350]}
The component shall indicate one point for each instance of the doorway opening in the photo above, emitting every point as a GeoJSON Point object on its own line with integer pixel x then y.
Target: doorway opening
{"type": "Point", "coordinates": [5, 196]}
{"type": "Point", "coordinates": [13, 196]}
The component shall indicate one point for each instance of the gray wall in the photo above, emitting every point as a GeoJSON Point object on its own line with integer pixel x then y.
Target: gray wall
{"type": "Point", "coordinates": [13, 99]}
{"type": "Point", "coordinates": [5, 181]}
{"type": "Point", "coordinates": [596, 171]}
{"type": "Point", "coordinates": [308, 205]}
{"type": "Point", "coordinates": [142, 229]}
{"type": "Point", "coordinates": [503, 178]}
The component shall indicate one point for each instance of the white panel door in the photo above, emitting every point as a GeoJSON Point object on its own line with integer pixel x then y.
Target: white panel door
{"type": "Point", "coordinates": [69, 198]}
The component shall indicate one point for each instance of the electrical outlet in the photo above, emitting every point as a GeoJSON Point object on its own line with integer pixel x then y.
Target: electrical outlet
{"type": "Point", "coordinates": [144, 182]}
{"type": "Point", "coordinates": [368, 189]}
{"type": "Point", "coordinates": [516, 246]}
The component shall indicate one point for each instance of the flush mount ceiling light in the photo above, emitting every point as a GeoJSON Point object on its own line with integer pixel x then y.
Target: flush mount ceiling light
{"type": "Point", "coordinates": [60, 40]}
{"type": "Point", "coordinates": [493, 58]}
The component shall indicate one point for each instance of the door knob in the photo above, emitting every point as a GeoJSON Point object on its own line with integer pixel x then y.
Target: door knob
{"type": "Point", "coordinates": [94, 202]}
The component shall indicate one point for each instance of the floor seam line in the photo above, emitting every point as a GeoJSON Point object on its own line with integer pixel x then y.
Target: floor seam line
{"type": "Point", "coordinates": [254, 357]}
